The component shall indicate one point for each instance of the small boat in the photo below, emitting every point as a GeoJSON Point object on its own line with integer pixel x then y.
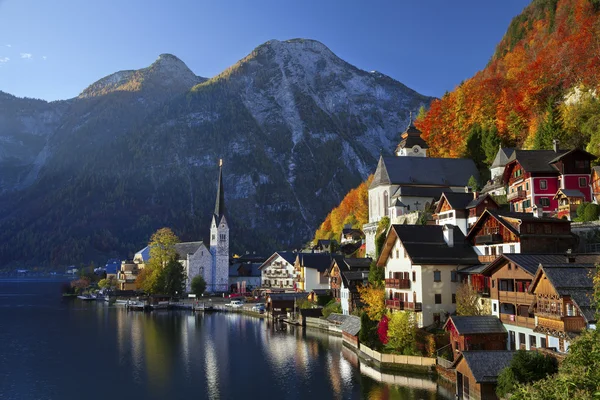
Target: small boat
{"type": "Point", "coordinates": [86, 297]}
{"type": "Point", "coordinates": [203, 307]}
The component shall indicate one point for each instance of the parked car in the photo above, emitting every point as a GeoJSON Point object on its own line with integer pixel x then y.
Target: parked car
{"type": "Point", "coordinates": [235, 304]}
{"type": "Point", "coordinates": [258, 307]}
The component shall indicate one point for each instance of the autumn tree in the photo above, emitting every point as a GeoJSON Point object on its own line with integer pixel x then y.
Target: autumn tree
{"type": "Point", "coordinates": [162, 248]}
{"type": "Point", "coordinates": [467, 300]}
{"type": "Point", "coordinates": [402, 332]}
{"type": "Point", "coordinates": [373, 299]}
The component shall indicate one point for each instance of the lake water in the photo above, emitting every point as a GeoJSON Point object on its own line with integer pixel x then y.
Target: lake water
{"type": "Point", "coordinates": [52, 348]}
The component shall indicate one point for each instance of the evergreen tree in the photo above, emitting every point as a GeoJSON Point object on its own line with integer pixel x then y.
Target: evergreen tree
{"type": "Point", "coordinates": [490, 142]}
{"type": "Point", "coordinates": [474, 149]}
{"type": "Point", "coordinates": [549, 129]}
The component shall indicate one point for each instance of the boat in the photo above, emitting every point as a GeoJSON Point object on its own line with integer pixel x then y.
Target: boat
{"type": "Point", "coordinates": [204, 308]}
{"type": "Point", "coordinates": [86, 297]}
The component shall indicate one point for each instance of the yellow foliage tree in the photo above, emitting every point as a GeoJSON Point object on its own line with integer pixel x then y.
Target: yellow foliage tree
{"type": "Point", "coordinates": [402, 332]}
{"type": "Point", "coordinates": [373, 299]}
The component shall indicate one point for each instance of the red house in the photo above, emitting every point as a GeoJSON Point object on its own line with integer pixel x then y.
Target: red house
{"type": "Point", "coordinates": [535, 176]}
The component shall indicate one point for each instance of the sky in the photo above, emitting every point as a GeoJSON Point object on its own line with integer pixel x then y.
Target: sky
{"type": "Point", "coordinates": [53, 50]}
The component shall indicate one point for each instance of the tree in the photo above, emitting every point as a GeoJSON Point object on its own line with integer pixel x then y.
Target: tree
{"type": "Point", "coordinates": [162, 248]}
{"type": "Point", "coordinates": [474, 148]}
{"type": "Point", "coordinates": [525, 367]}
{"type": "Point", "coordinates": [549, 129]}
{"type": "Point", "coordinates": [331, 308]}
{"type": "Point", "coordinates": [402, 332]}
{"type": "Point", "coordinates": [373, 299]}
{"type": "Point", "coordinates": [376, 274]}
{"type": "Point", "coordinates": [467, 300]}
{"type": "Point", "coordinates": [473, 184]}
{"type": "Point", "coordinates": [172, 278]}
{"type": "Point", "coordinates": [107, 283]}
{"type": "Point", "coordinates": [368, 332]}
{"type": "Point", "coordinates": [382, 329]}
{"type": "Point", "coordinates": [380, 234]}
{"type": "Point", "coordinates": [198, 285]}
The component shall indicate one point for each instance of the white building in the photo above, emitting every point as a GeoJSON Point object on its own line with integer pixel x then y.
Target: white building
{"type": "Point", "coordinates": [278, 272]}
{"type": "Point", "coordinates": [421, 263]}
{"type": "Point", "coordinates": [462, 209]}
{"type": "Point", "coordinates": [312, 270]}
{"type": "Point", "coordinates": [411, 181]}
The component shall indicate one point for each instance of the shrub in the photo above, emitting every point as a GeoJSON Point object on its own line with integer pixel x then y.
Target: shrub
{"type": "Point", "coordinates": [525, 367]}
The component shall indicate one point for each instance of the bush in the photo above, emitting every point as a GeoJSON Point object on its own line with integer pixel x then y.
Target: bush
{"type": "Point", "coordinates": [332, 307]}
{"type": "Point", "coordinates": [591, 212]}
{"type": "Point", "coordinates": [198, 285]}
{"type": "Point", "coordinates": [525, 367]}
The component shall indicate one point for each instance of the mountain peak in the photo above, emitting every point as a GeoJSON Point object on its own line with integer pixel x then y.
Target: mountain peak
{"type": "Point", "coordinates": [295, 46]}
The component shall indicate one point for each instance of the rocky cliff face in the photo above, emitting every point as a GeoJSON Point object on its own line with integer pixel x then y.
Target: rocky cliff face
{"type": "Point", "coordinates": [296, 126]}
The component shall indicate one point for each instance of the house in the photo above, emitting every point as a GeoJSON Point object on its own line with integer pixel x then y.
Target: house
{"type": "Point", "coordinates": [495, 186]}
{"type": "Point", "coordinates": [325, 246]}
{"type": "Point", "coordinates": [568, 201]}
{"type": "Point", "coordinates": [535, 176]}
{"type": "Point", "coordinates": [421, 263]}
{"type": "Point", "coordinates": [278, 271]}
{"type": "Point", "coordinates": [351, 235]}
{"type": "Point", "coordinates": [282, 303]}
{"type": "Point", "coordinates": [411, 181]}
{"type": "Point", "coordinates": [315, 294]}
{"type": "Point", "coordinates": [349, 325]}
{"type": "Point", "coordinates": [244, 277]}
{"type": "Point", "coordinates": [481, 332]}
{"type": "Point", "coordinates": [498, 232]}
{"type": "Point", "coordinates": [311, 270]}
{"type": "Point", "coordinates": [563, 301]}
{"type": "Point", "coordinates": [345, 276]}
{"type": "Point", "coordinates": [510, 277]}
{"type": "Point", "coordinates": [127, 275]}
{"type": "Point", "coordinates": [462, 209]}
{"type": "Point", "coordinates": [477, 373]}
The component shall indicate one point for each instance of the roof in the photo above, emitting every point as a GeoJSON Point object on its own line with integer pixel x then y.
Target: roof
{"type": "Point", "coordinates": [425, 244]}
{"type": "Point", "coordinates": [486, 365]}
{"type": "Point", "coordinates": [417, 191]}
{"type": "Point", "coordinates": [319, 261]}
{"type": "Point", "coordinates": [349, 231]}
{"type": "Point", "coordinates": [144, 253]}
{"type": "Point", "coordinates": [351, 325]}
{"type": "Point", "coordinates": [220, 200]}
{"type": "Point", "coordinates": [475, 202]}
{"type": "Point", "coordinates": [531, 262]}
{"type": "Point", "coordinates": [112, 266]}
{"type": "Point", "coordinates": [570, 193]}
{"type": "Point", "coordinates": [442, 172]}
{"type": "Point", "coordinates": [458, 201]}
{"type": "Point", "coordinates": [475, 325]}
{"type": "Point", "coordinates": [502, 157]}
{"type": "Point", "coordinates": [597, 169]}
{"type": "Point", "coordinates": [287, 296]}
{"type": "Point", "coordinates": [358, 263]}
{"type": "Point", "coordinates": [321, 292]}
{"type": "Point", "coordinates": [337, 319]}
{"type": "Point", "coordinates": [473, 269]}
{"type": "Point", "coordinates": [537, 160]}
{"type": "Point", "coordinates": [288, 256]}
{"type": "Point", "coordinates": [563, 154]}
{"type": "Point", "coordinates": [353, 276]}
{"type": "Point", "coordinates": [233, 270]}
{"type": "Point", "coordinates": [573, 280]}
{"type": "Point", "coordinates": [183, 249]}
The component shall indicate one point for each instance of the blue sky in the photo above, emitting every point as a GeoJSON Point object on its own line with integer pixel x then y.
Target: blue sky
{"type": "Point", "coordinates": [55, 49]}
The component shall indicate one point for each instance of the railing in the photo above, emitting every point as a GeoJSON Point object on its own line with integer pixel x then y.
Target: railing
{"type": "Point", "coordinates": [518, 320]}
{"type": "Point", "coordinates": [486, 259]}
{"type": "Point", "coordinates": [488, 239]}
{"type": "Point", "coordinates": [393, 304]}
{"type": "Point", "coordinates": [516, 195]}
{"type": "Point", "coordinates": [413, 306]}
{"type": "Point", "coordinates": [404, 305]}
{"type": "Point", "coordinates": [515, 297]}
{"type": "Point", "coordinates": [564, 324]}
{"type": "Point", "coordinates": [397, 283]}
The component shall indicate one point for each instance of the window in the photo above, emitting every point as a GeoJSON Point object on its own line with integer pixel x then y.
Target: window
{"type": "Point", "coordinates": [532, 341]}
{"type": "Point", "coordinates": [414, 276]}
{"type": "Point", "coordinates": [495, 308]}
{"type": "Point", "coordinates": [543, 184]}
{"type": "Point", "coordinates": [509, 267]}
{"type": "Point", "coordinates": [437, 276]}
{"type": "Point", "coordinates": [544, 202]}
{"type": "Point", "coordinates": [582, 182]}
{"type": "Point", "coordinates": [213, 236]}
{"type": "Point", "coordinates": [385, 203]}
{"type": "Point", "coordinates": [438, 298]}
{"type": "Point", "coordinates": [453, 276]}
{"type": "Point", "coordinates": [493, 283]}
{"type": "Point", "coordinates": [397, 253]}
{"type": "Point", "coordinates": [516, 206]}
{"type": "Point", "coordinates": [487, 251]}
{"type": "Point", "coordinates": [512, 249]}
{"type": "Point", "coordinates": [453, 298]}
{"type": "Point", "coordinates": [392, 254]}
{"type": "Point", "coordinates": [543, 342]}
{"type": "Point", "coordinates": [527, 186]}
{"type": "Point", "coordinates": [522, 343]}
{"type": "Point", "coordinates": [500, 250]}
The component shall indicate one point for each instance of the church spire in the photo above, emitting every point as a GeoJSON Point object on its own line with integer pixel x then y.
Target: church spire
{"type": "Point", "coordinates": [220, 203]}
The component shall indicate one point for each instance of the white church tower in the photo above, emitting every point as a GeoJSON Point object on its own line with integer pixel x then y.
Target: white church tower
{"type": "Point", "coordinates": [219, 241]}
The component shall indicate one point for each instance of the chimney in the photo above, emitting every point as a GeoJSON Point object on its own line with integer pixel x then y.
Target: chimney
{"type": "Point", "coordinates": [475, 195]}
{"type": "Point", "coordinates": [538, 212]}
{"type": "Point", "coordinates": [555, 143]}
{"type": "Point", "coordinates": [448, 231]}
{"type": "Point", "coordinates": [570, 257]}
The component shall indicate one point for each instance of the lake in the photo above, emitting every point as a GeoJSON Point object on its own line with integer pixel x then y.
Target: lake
{"type": "Point", "coordinates": [53, 348]}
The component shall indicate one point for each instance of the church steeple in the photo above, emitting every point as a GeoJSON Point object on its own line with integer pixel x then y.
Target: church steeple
{"type": "Point", "coordinates": [220, 202]}
{"type": "Point", "coordinates": [412, 144]}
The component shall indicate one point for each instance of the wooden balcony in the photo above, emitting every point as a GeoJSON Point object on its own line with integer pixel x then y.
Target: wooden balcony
{"type": "Point", "coordinates": [515, 297]}
{"type": "Point", "coordinates": [493, 238]}
{"type": "Point", "coordinates": [518, 320]}
{"type": "Point", "coordinates": [413, 306]}
{"type": "Point", "coordinates": [397, 283]}
{"type": "Point", "coordinates": [404, 305]}
{"type": "Point", "coordinates": [516, 195]}
{"type": "Point", "coordinates": [562, 324]}
{"type": "Point", "coordinates": [486, 259]}
{"type": "Point", "coordinates": [395, 304]}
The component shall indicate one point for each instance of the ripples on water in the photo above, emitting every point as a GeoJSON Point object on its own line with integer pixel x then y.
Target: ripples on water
{"type": "Point", "coordinates": [68, 349]}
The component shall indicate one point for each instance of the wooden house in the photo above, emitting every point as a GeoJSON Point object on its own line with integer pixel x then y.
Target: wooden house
{"type": "Point", "coordinates": [477, 373]}
{"type": "Point", "coordinates": [563, 301]}
{"type": "Point", "coordinates": [568, 201]}
{"type": "Point", "coordinates": [345, 276]}
{"type": "Point", "coordinates": [481, 332]}
{"type": "Point", "coordinates": [462, 209]}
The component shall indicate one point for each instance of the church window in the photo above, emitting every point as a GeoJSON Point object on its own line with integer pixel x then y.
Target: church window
{"type": "Point", "coordinates": [385, 203]}
{"type": "Point", "coordinates": [213, 236]}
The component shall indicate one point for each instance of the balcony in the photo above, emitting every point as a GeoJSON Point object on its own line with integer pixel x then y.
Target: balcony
{"type": "Point", "coordinates": [486, 259]}
{"type": "Point", "coordinates": [492, 238]}
{"type": "Point", "coordinates": [516, 195]}
{"type": "Point", "coordinates": [395, 304]}
{"type": "Point", "coordinates": [518, 320]}
{"type": "Point", "coordinates": [562, 324]}
{"type": "Point", "coordinates": [413, 306]}
{"type": "Point", "coordinates": [515, 297]}
{"type": "Point", "coordinates": [404, 305]}
{"type": "Point", "coordinates": [397, 283]}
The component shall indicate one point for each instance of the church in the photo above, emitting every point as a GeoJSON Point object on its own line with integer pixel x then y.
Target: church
{"type": "Point", "coordinates": [212, 261]}
{"type": "Point", "coordinates": [411, 181]}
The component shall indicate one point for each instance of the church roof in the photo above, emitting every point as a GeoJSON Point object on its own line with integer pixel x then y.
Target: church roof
{"type": "Point", "coordinates": [220, 202]}
{"type": "Point", "coordinates": [183, 249]}
{"type": "Point", "coordinates": [411, 137]}
{"type": "Point", "coordinates": [423, 171]}
{"type": "Point", "coordinates": [502, 157]}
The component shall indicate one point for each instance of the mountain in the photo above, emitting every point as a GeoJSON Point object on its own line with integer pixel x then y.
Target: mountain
{"type": "Point", "coordinates": [296, 126]}
{"type": "Point", "coordinates": [539, 85]}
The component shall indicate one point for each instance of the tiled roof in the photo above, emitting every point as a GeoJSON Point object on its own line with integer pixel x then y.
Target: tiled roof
{"type": "Point", "coordinates": [183, 249]}
{"type": "Point", "coordinates": [287, 296]}
{"type": "Point", "coordinates": [571, 192]}
{"type": "Point", "coordinates": [475, 202]}
{"type": "Point", "coordinates": [531, 262]}
{"type": "Point", "coordinates": [442, 172]}
{"type": "Point", "coordinates": [480, 324]}
{"type": "Point", "coordinates": [351, 325]}
{"type": "Point", "coordinates": [288, 256]}
{"type": "Point", "coordinates": [337, 319]}
{"type": "Point", "coordinates": [458, 201]}
{"type": "Point", "coordinates": [563, 153]}
{"type": "Point", "coordinates": [574, 280]}
{"type": "Point", "coordinates": [425, 244]}
{"type": "Point", "coordinates": [537, 160]}
{"type": "Point", "coordinates": [487, 365]}
{"type": "Point", "coordinates": [319, 261]}
{"type": "Point", "coordinates": [358, 263]}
